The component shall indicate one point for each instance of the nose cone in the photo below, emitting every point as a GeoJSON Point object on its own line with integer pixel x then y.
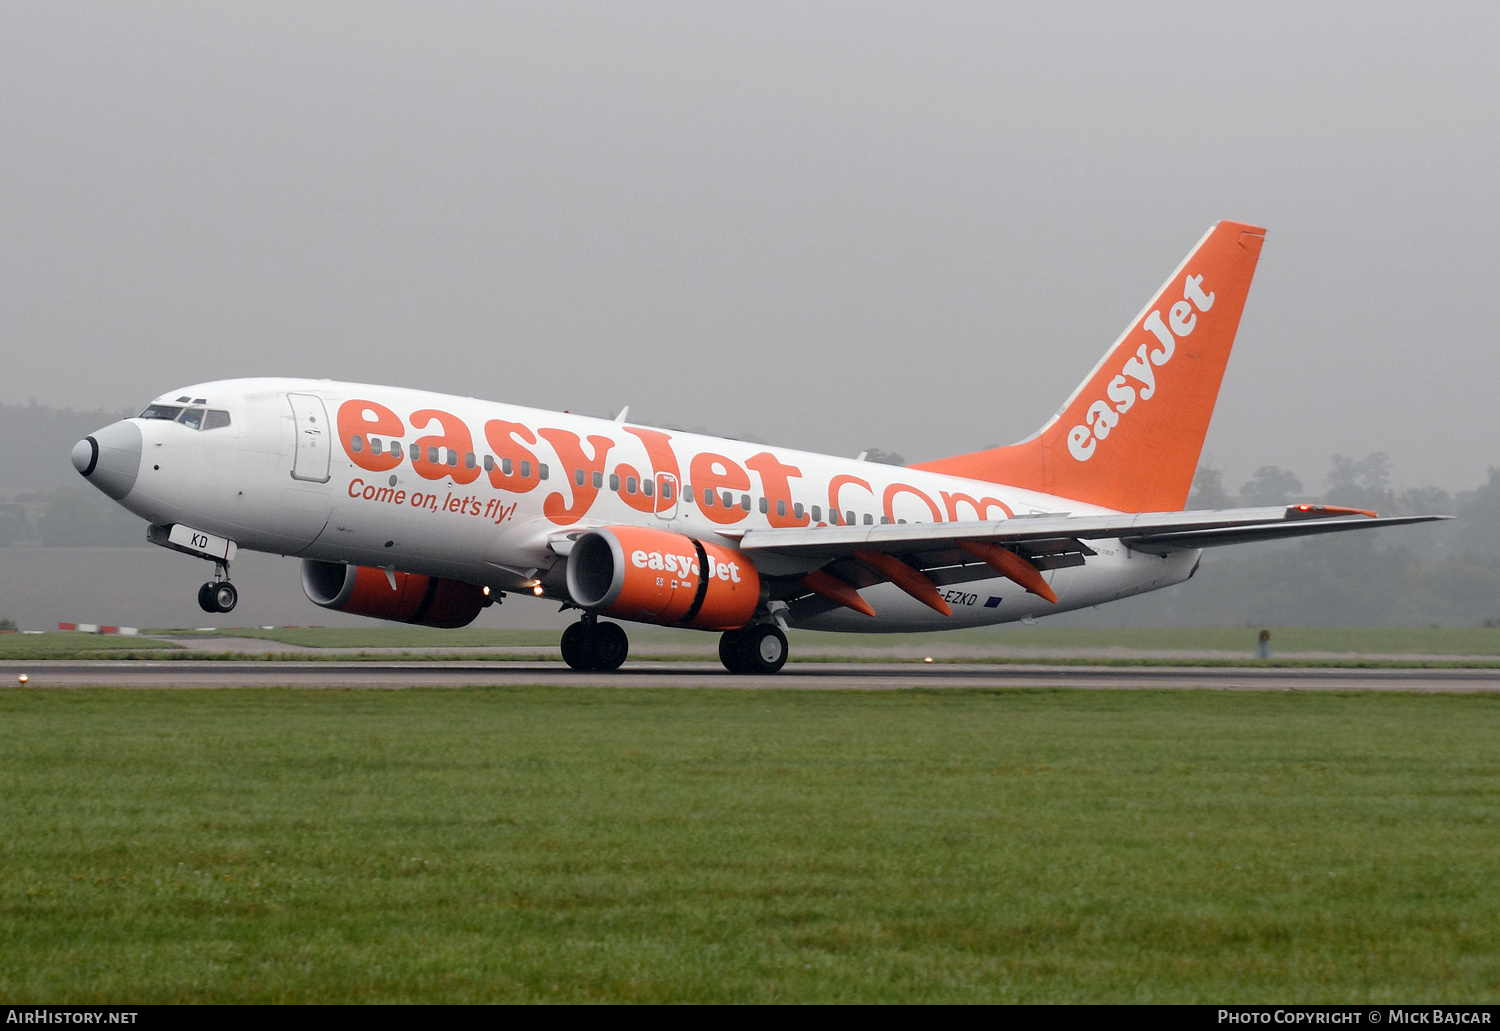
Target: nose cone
{"type": "Point", "coordinates": [110, 458]}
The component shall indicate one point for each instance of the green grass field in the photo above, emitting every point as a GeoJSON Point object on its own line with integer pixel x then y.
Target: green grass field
{"type": "Point", "coordinates": [78, 646]}
{"type": "Point", "coordinates": [1478, 641]}
{"type": "Point", "coordinates": [1284, 640]}
{"type": "Point", "coordinates": [652, 845]}
{"type": "Point", "coordinates": [1291, 645]}
{"type": "Point", "coordinates": [395, 635]}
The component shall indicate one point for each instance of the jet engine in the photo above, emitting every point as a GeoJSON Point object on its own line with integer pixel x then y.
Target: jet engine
{"type": "Point", "coordinates": [414, 598]}
{"type": "Point", "coordinates": [654, 576]}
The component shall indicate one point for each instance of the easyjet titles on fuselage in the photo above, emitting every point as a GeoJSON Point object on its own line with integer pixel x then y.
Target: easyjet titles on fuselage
{"type": "Point", "coordinates": [374, 438]}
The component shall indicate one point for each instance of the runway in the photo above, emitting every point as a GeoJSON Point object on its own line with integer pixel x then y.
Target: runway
{"type": "Point", "coordinates": [806, 676]}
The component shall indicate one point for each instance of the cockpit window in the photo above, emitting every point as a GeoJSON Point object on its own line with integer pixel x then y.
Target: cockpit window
{"type": "Point", "coordinates": [167, 412]}
{"type": "Point", "coordinates": [216, 419]}
{"type": "Point", "coordinates": [192, 418]}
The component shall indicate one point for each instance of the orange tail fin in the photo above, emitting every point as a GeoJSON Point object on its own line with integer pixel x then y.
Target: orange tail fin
{"type": "Point", "coordinates": [1129, 437]}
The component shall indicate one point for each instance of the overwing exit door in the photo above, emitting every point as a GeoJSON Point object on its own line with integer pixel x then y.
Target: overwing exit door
{"type": "Point", "coordinates": [314, 441]}
{"type": "Point", "coordinates": [666, 496]}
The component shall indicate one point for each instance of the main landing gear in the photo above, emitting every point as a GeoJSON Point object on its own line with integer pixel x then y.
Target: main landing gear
{"type": "Point", "coordinates": [218, 595]}
{"type": "Point", "coordinates": [758, 649]}
{"type": "Point", "coordinates": [591, 645]}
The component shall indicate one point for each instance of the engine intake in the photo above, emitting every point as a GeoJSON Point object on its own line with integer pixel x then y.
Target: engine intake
{"type": "Point", "coordinates": [653, 576]}
{"type": "Point", "coordinates": [365, 591]}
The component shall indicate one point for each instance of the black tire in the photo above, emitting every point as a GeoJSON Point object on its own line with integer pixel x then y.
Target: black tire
{"type": "Point", "coordinates": [225, 597]}
{"type": "Point", "coordinates": [763, 649]}
{"type": "Point", "coordinates": [206, 598]}
{"type": "Point", "coordinates": [731, 649]}
{"type": "Point", "coordinates": [577, 650]}
{"type": "Point", "coordinates": [610, 646]}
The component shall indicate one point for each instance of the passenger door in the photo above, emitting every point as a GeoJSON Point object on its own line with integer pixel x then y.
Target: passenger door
{"type": "Point", "coordinates": [314, 441]}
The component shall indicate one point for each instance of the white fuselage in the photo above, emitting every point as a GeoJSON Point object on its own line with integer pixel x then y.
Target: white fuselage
{"type": "Point", "coordinates": [293, 481]}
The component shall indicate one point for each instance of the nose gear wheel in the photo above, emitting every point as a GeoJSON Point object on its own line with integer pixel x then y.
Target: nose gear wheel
{"type": "Point", "coordinates": [218, 597]}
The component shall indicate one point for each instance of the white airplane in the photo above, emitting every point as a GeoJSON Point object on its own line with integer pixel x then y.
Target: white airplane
{"type": "Point", "coordinates": [424, 508]}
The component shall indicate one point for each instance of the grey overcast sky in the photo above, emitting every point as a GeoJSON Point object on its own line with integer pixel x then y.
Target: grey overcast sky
{"type": "Point", "coordinates": [831, 226]}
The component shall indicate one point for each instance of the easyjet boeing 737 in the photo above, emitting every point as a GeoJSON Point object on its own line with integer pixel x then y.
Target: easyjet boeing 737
{"type": "Point", "coordinates": [424, 508]}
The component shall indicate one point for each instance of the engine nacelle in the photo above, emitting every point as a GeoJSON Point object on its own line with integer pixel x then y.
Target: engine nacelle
{"type": "Point", "coordinates": [366, 591]}
{"type": "Point", "coordinates": [654, 576]}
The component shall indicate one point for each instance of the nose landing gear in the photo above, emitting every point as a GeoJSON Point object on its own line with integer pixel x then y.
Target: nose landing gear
{"type": "Point", "coordinates": [589, 645]}
{"type": "Point", "coordinates": [218, 595]}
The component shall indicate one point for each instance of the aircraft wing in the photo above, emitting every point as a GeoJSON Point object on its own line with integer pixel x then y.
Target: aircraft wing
{"type": "Point", "coordinates": [918, 557]}
{"type": "Point", "coordinates": [1204, 529]}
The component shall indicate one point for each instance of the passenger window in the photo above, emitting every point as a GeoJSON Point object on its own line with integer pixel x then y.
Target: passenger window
{"type": "Point", "coordinates": [469, 461]}
{"type": "Point", "coordinates": [375, 445]}
{"type": "Point", "coordinates": [817, 513]}
{"type": "Point", "coordinates": [687, 493]}
{"type": "Point", "coordinates": [708, 499]}
{"type": "Point", "coordinates": [216, 419]}
{"type": "Point", "coordinates": [598, 480]}
{"type": "Point", "coordinates": [850, 519]}
{"type": "Point", "coordinates": [781, 508]}
{"type": "Point", "coordinates": [432, 455]}
{"type": "Point", "coordinates": [541, 470]}
{"type": "Point", "coordinates": [614, 481]}
{"type": "Point", "coordinates": [884, 520]}
{"type": "Point", "coordinates": [745, 502]}
{"type": "Point", "coordinates": [631, 485]}
{"type": "Point", "coordinates": [453, 458]}
{"type": "Point", "coordinates": [765, 506]}
{"type": "Point", "coordinates": [489, 463]}
{"type": "Point", "coordinates": [666, 491]}
{"type": "Point", "coordinates": [357, 443]}
{"type": "Point", "coordinates": [728, 498]}
{"type": "Point", "coordinates": [526, 470]}
{"type": "Point", "coordinates": [580, 477]}
{"type": "Point", "coordinates": [868, 520]}
{"type": "Point", "coordinates": [192, 418]}
{"type": "Point", "coordinates": [396, 448]}
{"type": "Point", "coordinates": [505, 466]}
{"type": "Point", "coordinates": [648, 488]}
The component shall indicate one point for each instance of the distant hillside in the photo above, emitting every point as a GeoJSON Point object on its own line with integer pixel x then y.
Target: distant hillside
{"type": "Point", "coordinates": [38, 440]}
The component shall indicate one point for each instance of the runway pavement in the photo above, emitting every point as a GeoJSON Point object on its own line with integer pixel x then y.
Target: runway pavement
{"type": "Point", "coordinates": [817, 676]}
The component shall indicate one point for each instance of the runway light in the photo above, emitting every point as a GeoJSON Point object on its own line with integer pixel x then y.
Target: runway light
{"type": "Point", "coordinates": [22, 679]}
{"type": "Point", "coordinates": [928, 659]}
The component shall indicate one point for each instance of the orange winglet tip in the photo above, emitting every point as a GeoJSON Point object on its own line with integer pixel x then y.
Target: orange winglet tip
{"type": "Point", "coordinates": [834, 589]}
{"type": "Point", "coordinates": [910, 580]}
{"type": "Point", "coordinates": [1314, 511]}
{"type": "Point", "coordinates": [1011, 566]}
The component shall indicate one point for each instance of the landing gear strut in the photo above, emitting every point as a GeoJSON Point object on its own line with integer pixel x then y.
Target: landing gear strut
{"type": "Point", "coordinates": [591, 645]}
{"type": "Point", "coordinates": [758, 649]}
{"type": "Point", "coordinates": [218, 595]}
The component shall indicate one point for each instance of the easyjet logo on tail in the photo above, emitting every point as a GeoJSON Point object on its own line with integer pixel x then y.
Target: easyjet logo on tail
{"type": "Point", "coordinates": [1137, 379]}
